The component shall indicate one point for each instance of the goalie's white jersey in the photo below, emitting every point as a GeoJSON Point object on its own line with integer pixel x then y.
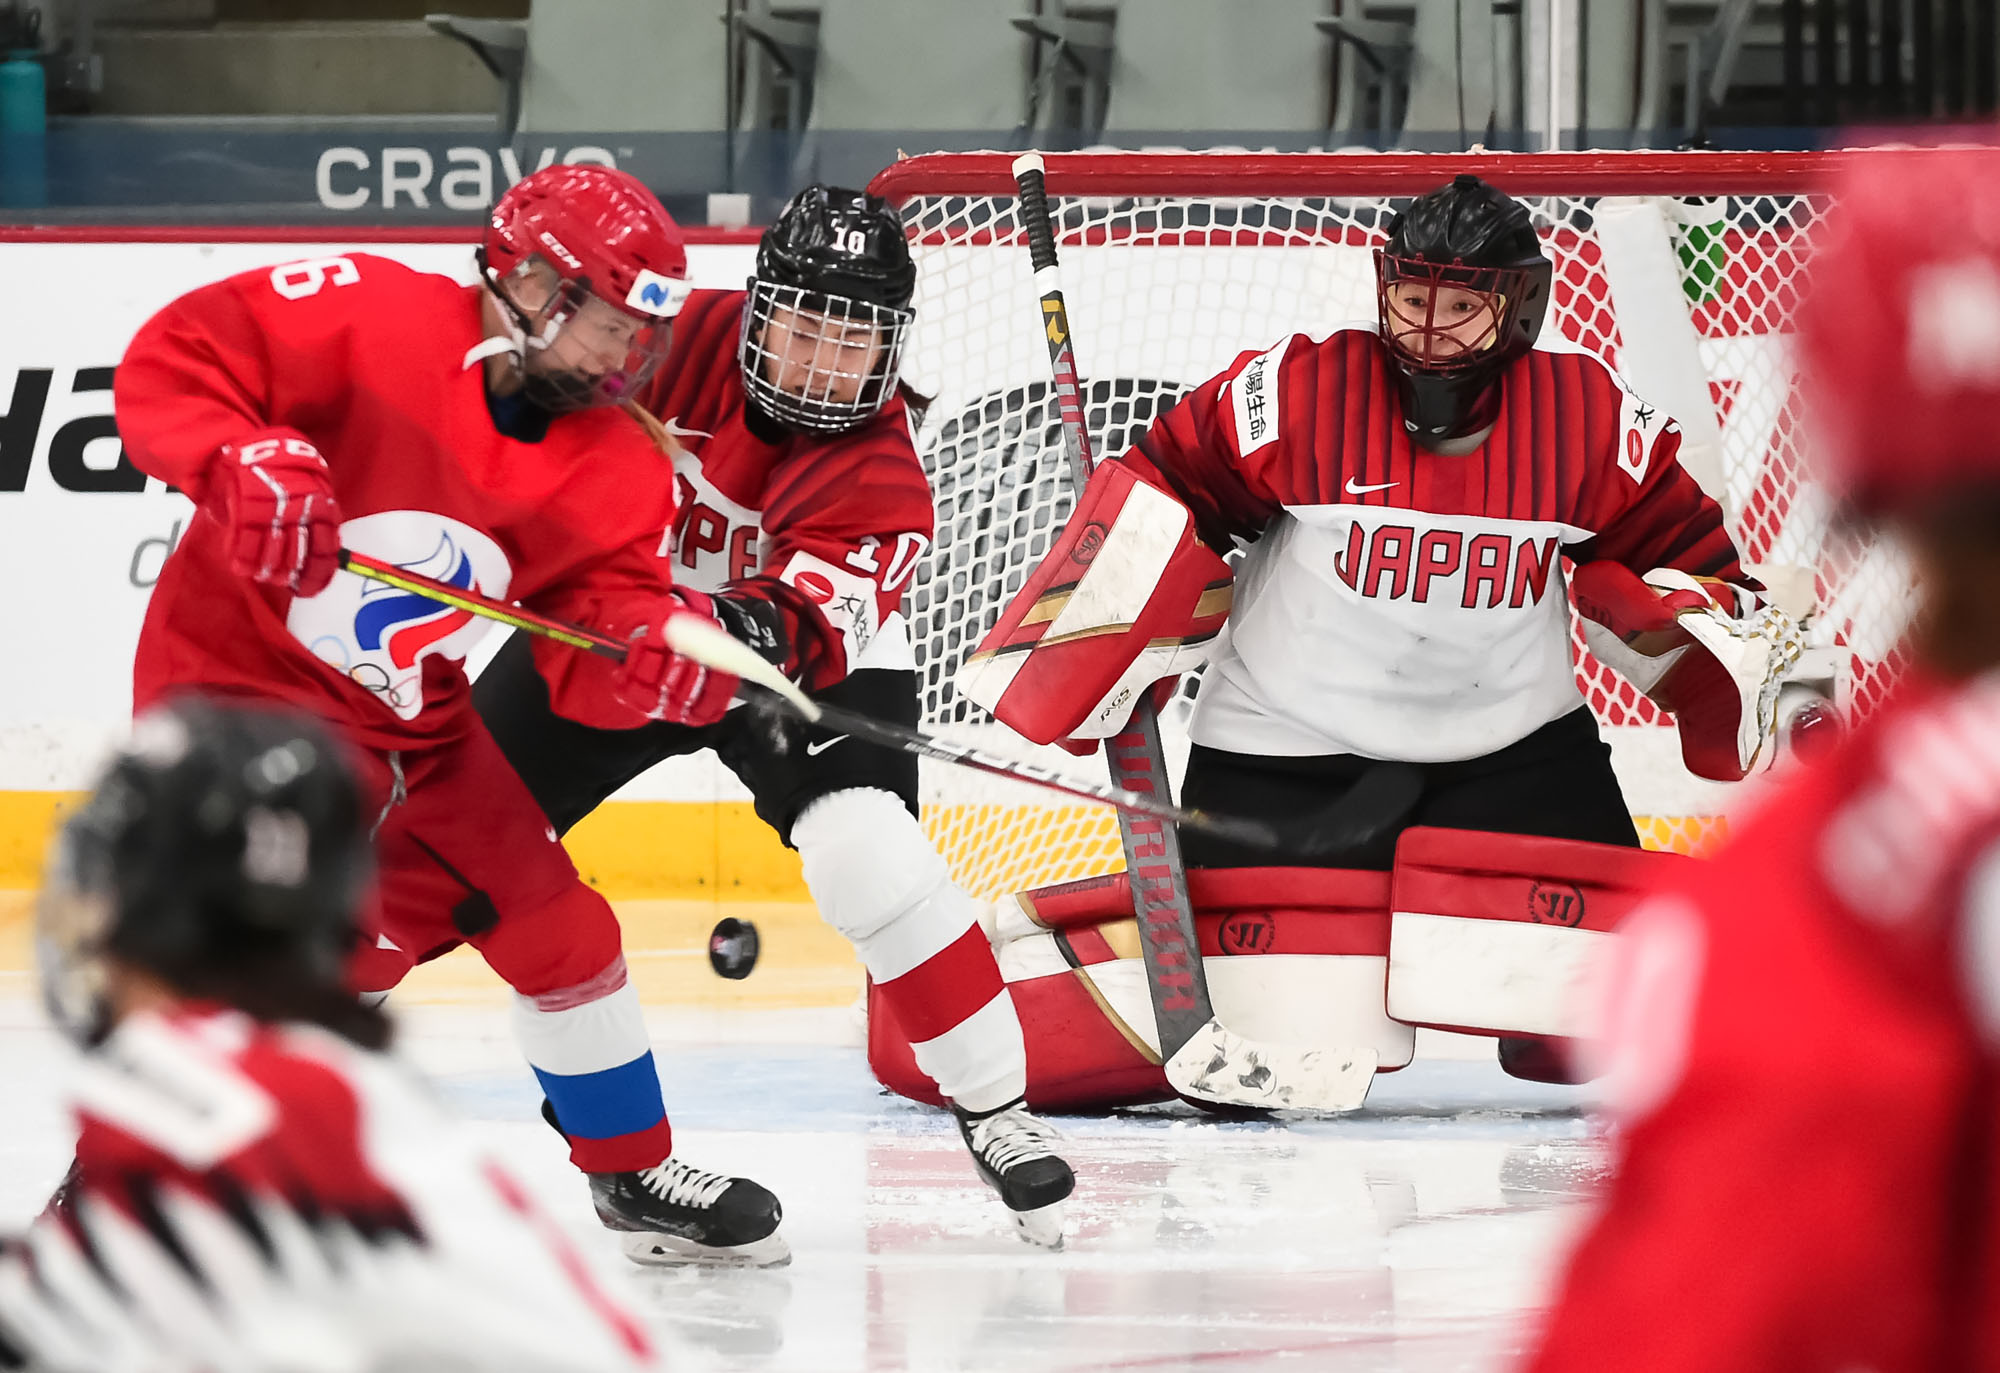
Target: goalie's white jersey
{"type": "Point", "coordinates": [1397, 603]}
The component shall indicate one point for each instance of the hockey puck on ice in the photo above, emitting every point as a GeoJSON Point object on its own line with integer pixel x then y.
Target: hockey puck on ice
{"type": "Point", "coordinates": [732, 948]}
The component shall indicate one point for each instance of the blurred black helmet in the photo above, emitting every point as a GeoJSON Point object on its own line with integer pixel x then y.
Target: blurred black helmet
{"type": "Point", "coordinates": [1471, 244]}
{"type": "Point", "coordinates": [828, 311]}
{"type": "Point", "coordinates": [220, 837]}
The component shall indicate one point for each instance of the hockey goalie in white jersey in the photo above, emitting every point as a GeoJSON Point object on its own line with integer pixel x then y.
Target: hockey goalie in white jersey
{"type": "Point", "coordinates": [1405, 494]}
{"type": "Point", "coordinates": [257, 1187]}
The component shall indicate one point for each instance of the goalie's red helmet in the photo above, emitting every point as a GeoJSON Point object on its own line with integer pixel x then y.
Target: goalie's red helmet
{"type": "Point", "coordinates": [1899, 332]}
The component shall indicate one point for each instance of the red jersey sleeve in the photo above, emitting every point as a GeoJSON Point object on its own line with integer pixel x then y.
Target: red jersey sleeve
{"type": "Point", "coordinates": [264, 347]}
{"type": "Point", "coordinates": [615, 591]}
{"type": "Point", "coordinates": [845, 525]}
{"type": "Point", "coordinates": [1799, 1086]}
{"type": "Point", "coordinates": [614, 596]}
{"type": "Point", "coordinates": [1652, 512]}
{"type": "Point", "coordinates": [1209, 448]}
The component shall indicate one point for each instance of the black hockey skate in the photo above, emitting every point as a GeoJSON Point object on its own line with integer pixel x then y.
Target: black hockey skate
{"type": "Point", "coordinates": [674, 1213]}
{"type": "Point", "coordinates": [1015, 1153]}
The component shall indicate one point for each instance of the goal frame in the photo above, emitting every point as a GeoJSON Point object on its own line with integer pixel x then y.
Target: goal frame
{"type": "Point", "coordinates": [918, 185]}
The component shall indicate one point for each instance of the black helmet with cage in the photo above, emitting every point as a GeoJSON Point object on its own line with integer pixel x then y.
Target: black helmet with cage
{"type": "Point", "coordinates": [827, 311]}
{"type": "Point", "coordinates": [1463, 287]}
{"type": "Point", "coordinates": [224, 852]}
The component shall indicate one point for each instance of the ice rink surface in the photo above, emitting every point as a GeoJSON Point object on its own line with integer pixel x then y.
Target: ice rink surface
{"type": "Point", "coordinates": [1413, 1236]}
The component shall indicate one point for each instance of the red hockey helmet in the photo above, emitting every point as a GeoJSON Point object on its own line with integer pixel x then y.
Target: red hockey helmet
{"type": "Point", "coordinates": [591, 270]}
{"type": "Point", "coordinates": [1899, 332]}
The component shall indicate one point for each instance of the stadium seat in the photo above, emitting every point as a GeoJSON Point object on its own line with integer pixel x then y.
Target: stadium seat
{"type": "Point", "coordinates": [599, 65]}
{"type": "Point", "coordinates": [1199, 68]}
{"type": "Point", "coordinates": [873, 96]}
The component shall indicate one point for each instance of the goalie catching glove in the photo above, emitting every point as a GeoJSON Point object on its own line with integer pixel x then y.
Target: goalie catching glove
{"type": "Point", "coordinates": [1126, 597]}
{"type": "Point", "coordinates": [1710, 654]}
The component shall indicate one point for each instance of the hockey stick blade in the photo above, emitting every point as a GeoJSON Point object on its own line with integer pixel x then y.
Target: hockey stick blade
{"type": "Point", "coordinates": [1219, 1065]}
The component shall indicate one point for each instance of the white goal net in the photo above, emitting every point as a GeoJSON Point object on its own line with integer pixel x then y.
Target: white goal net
{"type": "Point", "coordinates": [1679, 270]}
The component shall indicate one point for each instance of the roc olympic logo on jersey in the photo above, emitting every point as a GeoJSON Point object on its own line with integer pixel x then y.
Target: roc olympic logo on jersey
{"type": "Point", "coordinates": [377, 635]}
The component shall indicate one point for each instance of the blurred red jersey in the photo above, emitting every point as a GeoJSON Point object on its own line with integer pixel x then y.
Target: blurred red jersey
{"type": "Point", "coordinates": [208, 1102]}
{"type": "Point", "coordinates": [375, 364]}
{"type": "Point", "coordinates": [1803, 1040]}
{"type": "Point", "coordinates": [830, 527]}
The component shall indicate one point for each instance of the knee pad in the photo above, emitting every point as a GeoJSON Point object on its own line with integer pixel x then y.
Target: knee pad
{"type": "Point", "coordinates": [867, 862]}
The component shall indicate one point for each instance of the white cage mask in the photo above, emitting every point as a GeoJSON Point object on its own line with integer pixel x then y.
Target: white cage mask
{"type": "Point", "coordinates": [818, 362]}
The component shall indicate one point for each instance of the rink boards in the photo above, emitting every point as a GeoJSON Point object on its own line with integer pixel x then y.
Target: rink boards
{"type": "Point", "coordinates": [82, 537]}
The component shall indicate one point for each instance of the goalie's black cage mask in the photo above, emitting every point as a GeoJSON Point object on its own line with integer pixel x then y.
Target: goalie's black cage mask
{"type": "Point", "coordinates": [1471, 246]}
{"type": "Point", "coordinates": [221, 836]}
{"type": "Point", "coordinates": [827, 312]}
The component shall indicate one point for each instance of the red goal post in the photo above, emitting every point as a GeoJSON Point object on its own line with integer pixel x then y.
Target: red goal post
{"type": "Point", "coordinates": [1680, 270]}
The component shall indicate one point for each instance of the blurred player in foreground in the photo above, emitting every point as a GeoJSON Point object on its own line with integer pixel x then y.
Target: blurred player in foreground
{"type": "Point", "coordinates": [472, 433]}
{"type": "Point", "coordinates": [804, 512]}
{"type": "Point", "coordinates": [259, 1186]}
{"type": "Point", "coordinates": [1805, 1035]}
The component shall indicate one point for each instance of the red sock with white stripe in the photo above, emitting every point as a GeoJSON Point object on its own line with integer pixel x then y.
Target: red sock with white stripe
{"type": "Point", "coordinates": [878, 880]}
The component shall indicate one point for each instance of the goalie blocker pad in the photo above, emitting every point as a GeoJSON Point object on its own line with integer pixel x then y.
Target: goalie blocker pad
{"type": "Point", "coordinates": [1125, 597]}
{"type": "Point", "coordinates": [1500, 934]}
{"type": "Point", "coordinates": [1293, 955]}
{"type": "Point", "coordinates": [1704, 651]}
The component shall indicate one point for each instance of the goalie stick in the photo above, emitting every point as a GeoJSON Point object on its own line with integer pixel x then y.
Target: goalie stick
{"type": "Point", "coordinates": [1203, 1058]}
{"type": "Point", "coordinates": [764, 686]}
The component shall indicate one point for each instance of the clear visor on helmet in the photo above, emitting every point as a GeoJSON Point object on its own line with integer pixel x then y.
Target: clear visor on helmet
{"type": "Point", "coordinates": [1440, 318]}
{"type": "Point", "coordinates": [820, 362]}
{"type": "Point", "coordinates": [72, 921]}
{"type": "Point", "coordinates": [576, 348]}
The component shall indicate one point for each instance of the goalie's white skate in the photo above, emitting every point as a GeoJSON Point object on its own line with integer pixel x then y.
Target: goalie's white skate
{"type": "Point", "coordinates": [1015, 1153]}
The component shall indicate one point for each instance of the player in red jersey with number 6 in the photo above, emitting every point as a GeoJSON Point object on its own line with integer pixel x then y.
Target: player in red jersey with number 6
{"type": "Point", "coordinates": [1806, 1045]}
{"type": "Point", "coordinates": [474, 434]}
{"type": "Point", "coordinates": [805, 512]}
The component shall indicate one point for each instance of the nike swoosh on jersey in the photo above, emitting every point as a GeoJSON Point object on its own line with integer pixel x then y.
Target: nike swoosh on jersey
{"type": "Point", "coordinates": [813, 750]}
{"type": "Point", "coordinates": [1354, 490]}
{"type": "Point", "coordinates": [673, 426]}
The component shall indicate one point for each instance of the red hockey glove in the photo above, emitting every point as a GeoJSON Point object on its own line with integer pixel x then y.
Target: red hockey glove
{"type": "Point", "coordinates": [275, 497]}
{"type": "Point", "coordinates": [663, 685]}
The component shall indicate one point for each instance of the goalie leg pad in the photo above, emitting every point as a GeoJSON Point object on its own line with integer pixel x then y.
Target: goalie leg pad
{"type": "Point", "coordinates": [878, 880]}
{"type": "Point", "coordinates": [1294, 956]}
{"type": "Point", "coordinates": [1125, 597]}
{"type": "Point", "coordinates": [1500, 934]}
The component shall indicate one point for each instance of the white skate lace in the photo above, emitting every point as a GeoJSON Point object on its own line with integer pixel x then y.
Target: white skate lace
{"type": "Point", "coordinates": [1013, 1136]}
{"type": "Point", "coordinates": [677, 1184]}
